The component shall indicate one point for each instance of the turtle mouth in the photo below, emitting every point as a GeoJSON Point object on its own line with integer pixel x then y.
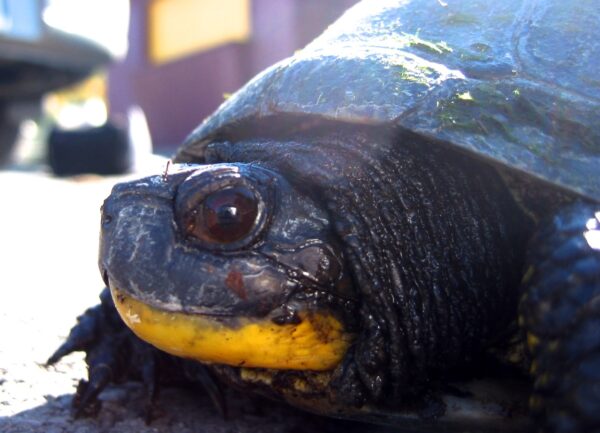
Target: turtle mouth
{"type": "Point", "coordinates": [315, 340]}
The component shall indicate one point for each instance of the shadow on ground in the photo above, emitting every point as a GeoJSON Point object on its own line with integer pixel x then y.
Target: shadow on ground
{"type": "Point", "coordinates": [178, 411]}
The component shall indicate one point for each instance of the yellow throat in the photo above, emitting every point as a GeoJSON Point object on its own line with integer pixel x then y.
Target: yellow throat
{"type": "Point", "coordinates": [318, 342]}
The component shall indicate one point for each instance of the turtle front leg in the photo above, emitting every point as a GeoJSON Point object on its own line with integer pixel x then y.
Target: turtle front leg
{"type": "Point", "coordinates": [560, 314]}
{"type": "Point", "coordinates": [114, 355]}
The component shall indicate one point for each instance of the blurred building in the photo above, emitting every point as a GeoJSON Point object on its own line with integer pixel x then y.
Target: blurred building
{"type": "Point", "coordinates": [186, 55]}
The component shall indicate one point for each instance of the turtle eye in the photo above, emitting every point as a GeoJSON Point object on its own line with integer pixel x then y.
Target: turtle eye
{"type": "Point", "coordinates": [223, 216]}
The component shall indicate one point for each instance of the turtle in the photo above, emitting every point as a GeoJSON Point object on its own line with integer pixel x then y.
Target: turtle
{"type": "Point", "coordinates": [400, 223]}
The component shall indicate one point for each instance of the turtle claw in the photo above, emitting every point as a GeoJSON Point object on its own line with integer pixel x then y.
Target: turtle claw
{"type": "Point", "coordinates": [149, 375]}
{"type": "Point", "coordinates": [82, 405]}
{"type": "Point", "coordinates": [199, 375]}
{"type": "Point", "coordinates": [85, 402]}
{"type": "Point", "coordinates": [101, 372]}
{"type": "Point", "coordinates": [101, 360]}
{"type": "Point", "coordinates": [80, 338]}
{"type": "Point", "coordinates": [106, 342]}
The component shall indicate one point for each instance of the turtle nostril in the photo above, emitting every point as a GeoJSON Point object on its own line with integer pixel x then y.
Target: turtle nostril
{"type": "Point", "coordinates": [106, 219]}
{"type": "Point", "coordinates": [105, 277]}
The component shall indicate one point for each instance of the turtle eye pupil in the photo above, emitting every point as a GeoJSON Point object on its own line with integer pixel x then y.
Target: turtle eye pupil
{"type": "Point", "coordinates": [223, 216]}
{"type": "Point", "coordinates": [227, 215]}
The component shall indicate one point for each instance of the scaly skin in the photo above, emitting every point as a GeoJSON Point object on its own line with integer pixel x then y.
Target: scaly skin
{"type": "Point", "coordinates": [560, 314]}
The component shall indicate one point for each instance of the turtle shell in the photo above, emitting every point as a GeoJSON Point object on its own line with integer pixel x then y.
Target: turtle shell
{"type": "Point", "coordinates": [515, 82]}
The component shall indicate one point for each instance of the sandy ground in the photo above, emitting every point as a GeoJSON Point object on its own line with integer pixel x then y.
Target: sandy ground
{"type": "Point", "coordinates": [48, 246]}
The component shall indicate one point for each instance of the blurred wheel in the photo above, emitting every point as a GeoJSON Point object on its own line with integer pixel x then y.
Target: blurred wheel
{"type": "Point", "coordinates": [8, 137]}
{"type": "Point", "coordinates": [99, 150]}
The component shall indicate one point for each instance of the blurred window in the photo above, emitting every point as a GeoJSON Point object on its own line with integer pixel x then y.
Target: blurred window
{"type": "Point", "coordinates": [179, 28]}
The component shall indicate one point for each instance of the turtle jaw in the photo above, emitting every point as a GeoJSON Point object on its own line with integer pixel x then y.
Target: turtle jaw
{"type": "Point", "coordinates": [317, 341]}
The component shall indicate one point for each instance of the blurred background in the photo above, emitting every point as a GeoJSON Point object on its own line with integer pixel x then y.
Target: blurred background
{"type": "Point", "coordinates": [156, 66]}
{"type": "Point", "coordinates": [94, 86]}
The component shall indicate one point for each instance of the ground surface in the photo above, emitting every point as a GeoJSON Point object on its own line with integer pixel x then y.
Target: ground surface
{"type": "Point", "coordinates": [48, 247]}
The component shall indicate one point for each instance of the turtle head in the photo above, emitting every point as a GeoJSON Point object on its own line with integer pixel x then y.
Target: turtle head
{"type": "Point", "coordinates": [227, 264]}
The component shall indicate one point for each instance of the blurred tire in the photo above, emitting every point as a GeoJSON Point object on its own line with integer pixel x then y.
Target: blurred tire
{"type": "Point", "coordinates": [8, 138]}
{"type": "Point", "coordinates": [101, 150]}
